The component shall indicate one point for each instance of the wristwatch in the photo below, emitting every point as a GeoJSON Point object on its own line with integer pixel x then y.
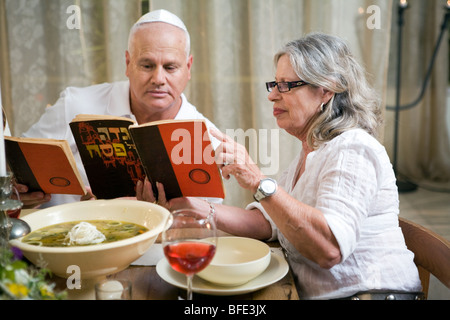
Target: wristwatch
{"type": "Point", "coordinates": [266, 188]}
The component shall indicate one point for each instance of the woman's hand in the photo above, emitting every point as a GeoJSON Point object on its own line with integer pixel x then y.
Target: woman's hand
{"type": "Point", "coordinates": [233, 159]}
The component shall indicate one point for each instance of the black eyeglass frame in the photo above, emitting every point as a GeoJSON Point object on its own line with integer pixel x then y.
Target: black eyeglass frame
{"type": "Point", "coordinates": [290, 85]}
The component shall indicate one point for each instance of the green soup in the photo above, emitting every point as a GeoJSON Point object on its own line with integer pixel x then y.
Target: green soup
{"type": "Point", "coordinates": [57, 235]}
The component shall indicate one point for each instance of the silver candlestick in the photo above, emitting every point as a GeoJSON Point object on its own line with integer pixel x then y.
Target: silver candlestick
{"type": "Point", "coordinates": [6, 204]}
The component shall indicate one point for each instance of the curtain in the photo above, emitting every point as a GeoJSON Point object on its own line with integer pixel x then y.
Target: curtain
{"type": "Point", "coordinates": [233, 43]}
{"type": "Point", "coordinates": [48, 45]}
{"type": "Point", "coordinates": [424, 130]}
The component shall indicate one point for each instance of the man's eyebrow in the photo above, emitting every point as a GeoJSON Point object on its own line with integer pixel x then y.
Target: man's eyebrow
{"type": "Point", "coordinates": [166, 63]}
{"type": "Point", "coordinates": [144, 59]}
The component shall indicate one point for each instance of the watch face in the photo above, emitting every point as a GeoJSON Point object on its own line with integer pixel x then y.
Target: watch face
{"type": "Point", "coordinates": [268, 186]}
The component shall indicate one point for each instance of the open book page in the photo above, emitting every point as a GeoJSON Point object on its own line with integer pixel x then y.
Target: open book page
{"type": "Point", "coordinates": [108, 154]}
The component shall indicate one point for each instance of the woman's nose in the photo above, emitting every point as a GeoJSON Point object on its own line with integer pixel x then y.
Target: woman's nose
{"type": "Point", "coordinates": [274, 94]}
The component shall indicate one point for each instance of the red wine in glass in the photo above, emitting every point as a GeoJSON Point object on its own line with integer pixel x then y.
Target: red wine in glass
{"type": "Point", "coordinates": [189, 241]}
{"type": "Point", "coordinates": [189, 257]}
{"type": "Point", "coordinates": [14, 213]}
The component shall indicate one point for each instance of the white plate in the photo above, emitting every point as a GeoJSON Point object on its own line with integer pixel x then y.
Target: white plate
{"type": "Point", "coordinates": [277, 269]}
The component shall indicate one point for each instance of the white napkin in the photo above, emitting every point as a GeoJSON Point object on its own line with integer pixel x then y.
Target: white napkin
{"type": "Point", "coordinates": [151, 257]}
{"type": "Point", "coordinates": [278, 251]}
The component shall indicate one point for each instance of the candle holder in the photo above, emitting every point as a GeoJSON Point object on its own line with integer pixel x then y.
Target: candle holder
{"type": "Point", "coordinates": [6, 204]}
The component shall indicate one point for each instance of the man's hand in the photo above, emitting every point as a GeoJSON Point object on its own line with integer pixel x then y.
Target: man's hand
{"type": "Point", "coordinates": [31, 200]}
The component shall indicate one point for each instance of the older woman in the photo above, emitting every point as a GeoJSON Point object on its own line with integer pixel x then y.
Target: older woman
{"type": "Point", "coordinates": [335, 208]}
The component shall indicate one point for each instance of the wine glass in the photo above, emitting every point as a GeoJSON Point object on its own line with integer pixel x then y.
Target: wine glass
{"type": "Point", "coordinates": [189, 242]}
{"type": "Point", "coordinates": [15, 212]}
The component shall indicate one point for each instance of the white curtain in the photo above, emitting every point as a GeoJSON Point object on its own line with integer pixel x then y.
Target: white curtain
{"type": "Point", "coordinates": [233, 43]}
{"type": "Point", "coordinates": [44, 50]}
{"type": "Point", "coordinates": [424, 130]}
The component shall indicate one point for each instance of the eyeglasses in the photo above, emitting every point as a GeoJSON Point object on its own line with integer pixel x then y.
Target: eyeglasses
{"type": "Point", "coordinates": [284, 86]}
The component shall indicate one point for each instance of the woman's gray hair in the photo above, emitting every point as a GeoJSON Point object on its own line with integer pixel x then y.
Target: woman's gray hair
{"type": "Point", "coordinates": [325, 61]}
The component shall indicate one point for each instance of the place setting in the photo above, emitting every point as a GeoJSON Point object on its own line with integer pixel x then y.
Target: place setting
{"type": "Point", "coordinates": [199, 261]}
{"type": "Point", "coordinates": [275, 271]}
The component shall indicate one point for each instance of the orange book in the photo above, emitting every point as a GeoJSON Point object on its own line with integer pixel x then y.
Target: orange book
{"type": "Point", "coordinates": [44, 165]}
{"type": "Point", "coordinates": [179, 154]}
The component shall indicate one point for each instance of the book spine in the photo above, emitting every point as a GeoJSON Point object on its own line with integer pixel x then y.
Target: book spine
{"type": "Point", "coordinates": [155, 160]}
{"type": "Point", "coordinates": [19, 166]}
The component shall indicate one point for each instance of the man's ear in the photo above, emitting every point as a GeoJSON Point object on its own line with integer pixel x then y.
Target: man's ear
{"type": "Point", "coordinates": [189, 65]}
{"type": "Point", "coordinates": [127, 61]}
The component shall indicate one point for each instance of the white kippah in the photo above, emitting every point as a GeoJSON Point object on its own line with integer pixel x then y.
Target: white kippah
{"type": "Point", "coordinates": [162, 16]}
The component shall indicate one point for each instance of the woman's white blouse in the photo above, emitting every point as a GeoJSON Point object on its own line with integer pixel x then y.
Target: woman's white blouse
{"type": "Point", "coordinates": [351, 181]}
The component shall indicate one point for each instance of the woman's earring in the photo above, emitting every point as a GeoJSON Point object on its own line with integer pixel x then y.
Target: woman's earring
{"type": "Point", "coordinates": [321, 107]}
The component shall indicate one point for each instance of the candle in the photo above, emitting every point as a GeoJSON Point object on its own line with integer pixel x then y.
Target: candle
{"type": "Point", "coordinates": [448, 4]}
{"type": "Point", "coordinates": [2, 148]}
{"type": "Point", "coordinates": [403, 3]}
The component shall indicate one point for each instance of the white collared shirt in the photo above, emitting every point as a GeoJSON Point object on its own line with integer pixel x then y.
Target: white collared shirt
{"type": "Point", "coordinates": [102, 99]}
{"type": "Point", "coordinates": [351, 181]}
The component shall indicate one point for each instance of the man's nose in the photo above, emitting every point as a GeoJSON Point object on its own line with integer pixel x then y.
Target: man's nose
{"type": "Point", "coordinates": [158, 76]}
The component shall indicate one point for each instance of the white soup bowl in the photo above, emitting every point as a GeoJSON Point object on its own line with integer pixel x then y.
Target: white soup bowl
{"type": "Point", "coordinates": [237, 261]}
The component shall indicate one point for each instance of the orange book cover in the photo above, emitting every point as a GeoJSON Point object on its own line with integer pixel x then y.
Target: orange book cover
{"type": "Point", "coordinates": [179, 154]}
{"type": "Point", "coordinates": [44, 165]}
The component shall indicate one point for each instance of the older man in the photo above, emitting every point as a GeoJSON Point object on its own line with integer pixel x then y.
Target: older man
{"type": "Point", "coordinates": [158, 67]}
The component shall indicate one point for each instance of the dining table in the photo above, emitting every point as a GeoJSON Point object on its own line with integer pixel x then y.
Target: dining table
{"type": "Point", "coordinates": [147, 284]}
{"type": "Point", "coordinates": [147, 281]}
